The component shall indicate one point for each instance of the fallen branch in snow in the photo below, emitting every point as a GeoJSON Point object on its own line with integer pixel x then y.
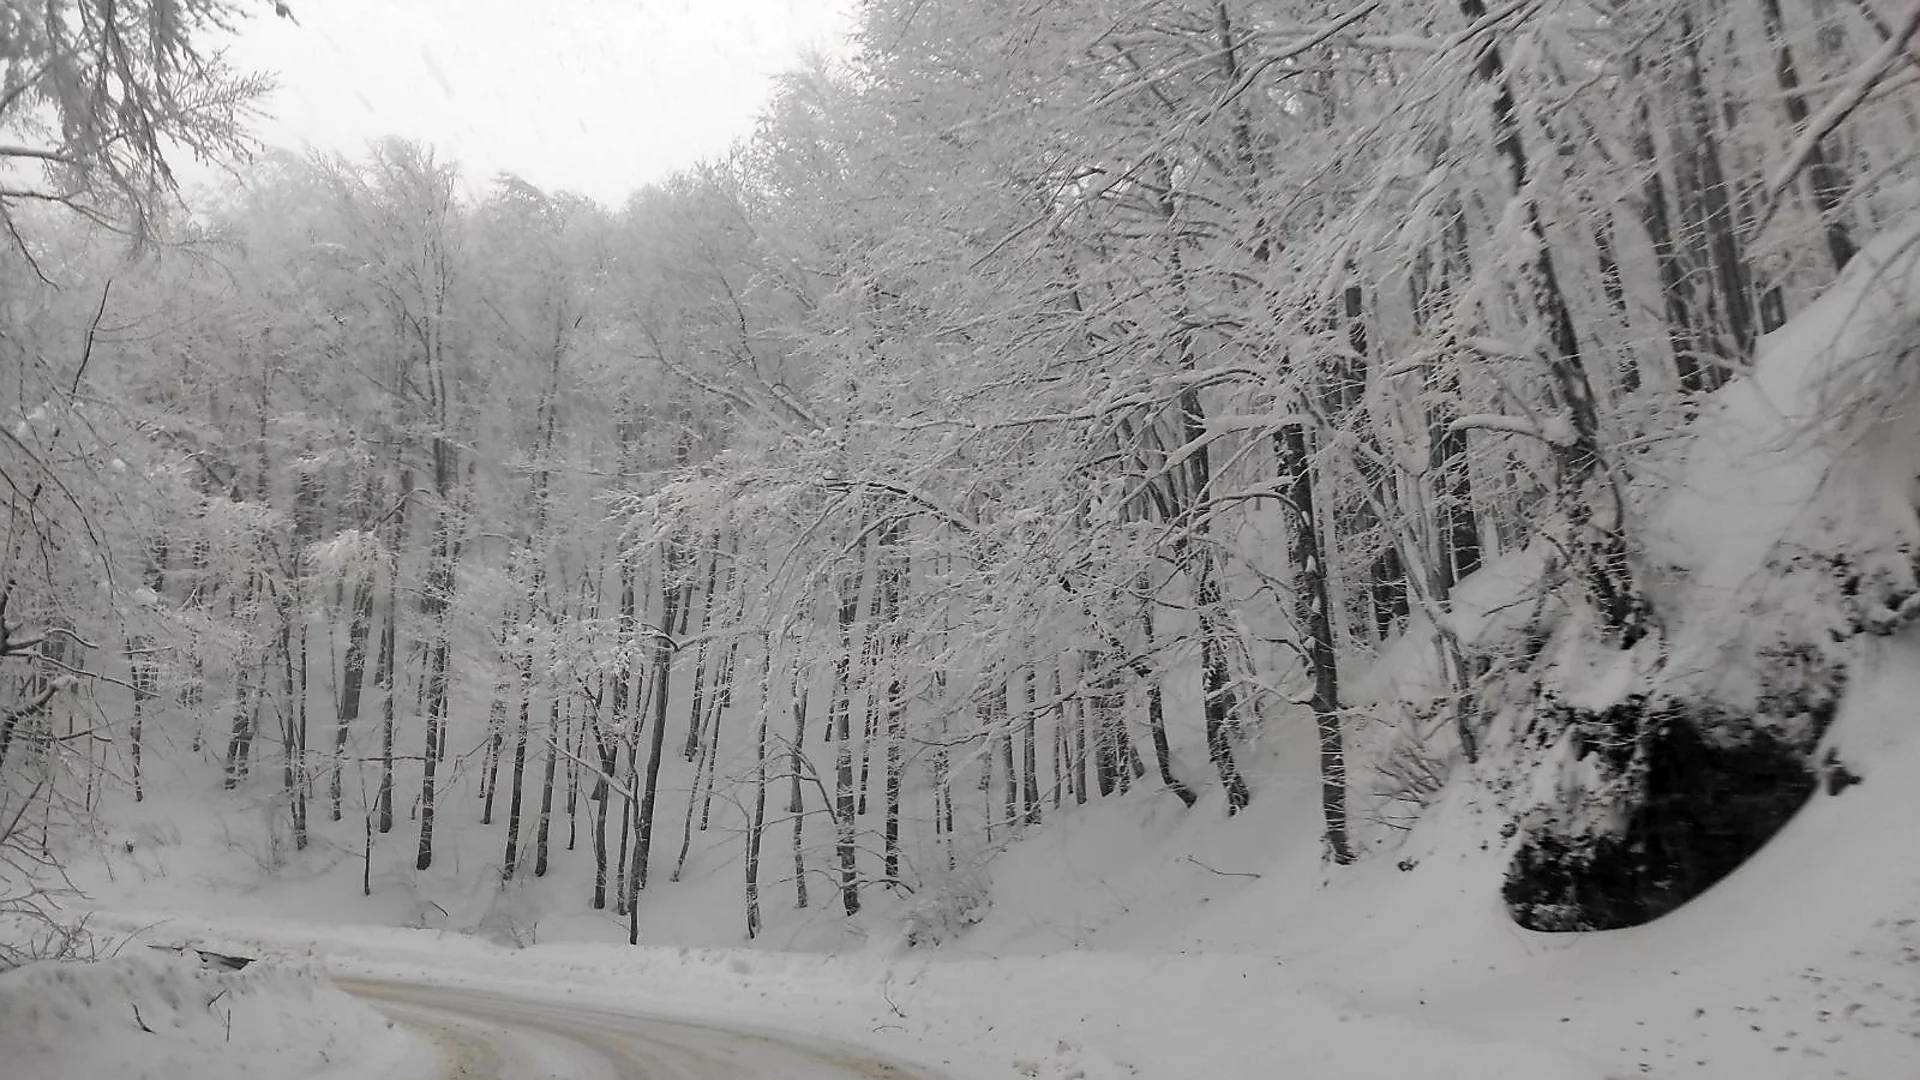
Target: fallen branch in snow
{"type": "Point", "coordinates": [1223, 873]}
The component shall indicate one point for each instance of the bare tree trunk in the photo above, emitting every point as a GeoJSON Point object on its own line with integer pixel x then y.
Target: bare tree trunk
{"type": "Point", "coordinates": [524, 660]}
{"type": "Point", "coordinates": [291, 719]}
{"type": "Point", "coordinates": [1062, 771]}
{"type": "Point", "coordinates": [716, 711]}
{"type": "Point", "coordinates": [1826, 181]}
{"type": "Point", "coordinates": [893, 573]}
{"type": "Point", "coordinates": [869, 668]}
{"type": "Point", "coordinates": [796, 806]}
{"type": "Point", "coordinates": [756, 827]}
{"type": "Point", "coordinates": [575, 733]}
{"type": "Point", "coordinates": [1029, 765]}
{"type": "Point", "coordinates": [1156, 713]}
{"type": "Point", "coordinates": [436, 710]}
{"type": "Point", "coordinates": [839, 718]}
{"type": "Point", "coordinates": [1708, 187]}
{"type": "Point", "coordinates": [1217, 702]}
{"type": "Point", "coordinates": [497, 718]}
{"type": "Point", "coordinates": [145, 673]}
{"type": "Point", "coordinates": [619, 710]}
{"type": "Point", "coordinates": [670, 597]}
{"type": "Point", "coordinates": [983, 719]}
{"type": "Point", "coordinates": [1001, 724]}
{"type": "Point", "coordinates": [353, 676]}
{"type": "Point", "coordinates": [1598, 550]}
{"type": "Point", "coordinates": [1309, 563]}
{"type": "Point", "coordinates": [693, 800]}
{"type": "Point", "coordinates": [546, 788]}
{"type": "Point", "coordinates": [623, 891]}
{"type": "Point", "coordinates": [1078, 750]}
{"type": "Point", "coordinates": [942, 770]}
{"type": "Point", "coordinates": [696, 716]}
{"type": "Point", "coordinates": [385, 676]}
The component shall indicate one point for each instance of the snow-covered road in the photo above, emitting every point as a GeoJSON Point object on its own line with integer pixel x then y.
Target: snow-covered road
{"type": "Point", "coordinates": [489, 1035]}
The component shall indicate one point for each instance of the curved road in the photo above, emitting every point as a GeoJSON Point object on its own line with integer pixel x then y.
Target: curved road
{"type": "Point", "coordinates": [486, 1035]}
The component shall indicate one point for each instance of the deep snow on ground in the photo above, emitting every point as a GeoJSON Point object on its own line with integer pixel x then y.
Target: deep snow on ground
{"type": "Point", "coordinates": [156, 1016]}
{"type": "Point", "coordinates": [1805, 963]}
{"type": "Point", "coordinates": [1111, 953]}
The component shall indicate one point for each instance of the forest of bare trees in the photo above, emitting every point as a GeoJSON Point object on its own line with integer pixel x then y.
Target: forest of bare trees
{"type": "Point", "coordinates": [1050, 404]}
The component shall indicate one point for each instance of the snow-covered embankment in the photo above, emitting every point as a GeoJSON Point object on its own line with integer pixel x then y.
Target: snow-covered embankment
{"type": "Point", "coordinates": [163, 1017]}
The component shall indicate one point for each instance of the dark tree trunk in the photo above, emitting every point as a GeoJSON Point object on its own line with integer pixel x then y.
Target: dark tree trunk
{"type": "Point", "coordinates": [294, 771]}
{"type": "Point", "coordinates": [1598, 551]}
{"type": "Point", "coordinates": [385, 675]}
{"type": "Point", "coordinates": [623, 867]}
{"type": "Point", "coordinates": [1312, 614]}
{"type": "Point", "coordinates": [1001, 724]}
{"type": "Point", "coordinates": [546, 789]}
{"type": "Point", "coordinates": [796, 806]}
{"type": "Point", "coordinates": [352, 678]}
{"type": "Point", "coordinates": [1156, 713]}
{"type": "Point", "coordinates": [670, 598]}
{"type": "Point", "coordinates": [894, 571]}
{"type": "Point", "coordinates": [1218, 705]}
{"type": "Point", "coordinates": [1709, 189]}
{"type": "Point", "coordinates": [757, 826]}
{"type": "Point", "coordinates": [511, 860]}
{"type": "Point", "coordinates": [1455, 519]}
{"type": "Point", "coordinates": [145, 671]}
{"type": "Point", "coordinates": [619, 710]}
{"type": "Point", "coordinates": [575, 733]}
{"type": "Point", "coordinates": [1826, 181]}
{"type": "Point", "coordinates": [696, 714]}
{"type": "Point", "coordinates": [1029, 765]}
{"type": "Point", "coordinates": [1656, 216]}
{"type": "Point", "coordinates": [436, 709]}
{"type": "Point", "coordinates": [839, 719]}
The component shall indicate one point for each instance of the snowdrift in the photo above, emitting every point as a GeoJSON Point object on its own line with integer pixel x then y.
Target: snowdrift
{"type": "Point", "coordinates": [164, 1017]}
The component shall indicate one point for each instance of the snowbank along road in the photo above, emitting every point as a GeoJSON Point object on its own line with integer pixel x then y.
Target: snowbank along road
{"type": "Point", "coordinates": [486, 1035]}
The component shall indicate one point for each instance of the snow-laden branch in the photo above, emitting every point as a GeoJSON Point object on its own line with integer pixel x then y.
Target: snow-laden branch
{"type": "Point", "coordinates": [1821, 124]}
{"type": "Point", "coordinates": [35, 152]}
{"type": "Point", "coordinates": [733, 397]}
{"type": "Point", "coordinates": [1512, 425]}
{"type": "Point", "coordinates": [914, 495]}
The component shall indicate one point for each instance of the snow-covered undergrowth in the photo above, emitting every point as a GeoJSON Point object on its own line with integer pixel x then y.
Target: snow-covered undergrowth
{"type": "Point", "coordinates": [162, 1017]}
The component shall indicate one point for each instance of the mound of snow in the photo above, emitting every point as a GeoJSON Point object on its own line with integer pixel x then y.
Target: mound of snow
{"type": "Point", "coordinates": [165, 1017]}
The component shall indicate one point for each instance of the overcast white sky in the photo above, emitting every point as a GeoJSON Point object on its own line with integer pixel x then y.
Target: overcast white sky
{"type": "Point", "coordinates": [594, 96]}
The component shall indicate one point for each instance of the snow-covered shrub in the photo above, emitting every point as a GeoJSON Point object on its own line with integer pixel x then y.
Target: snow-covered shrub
{"type": "Point", "coordinates": [1400, 760]}
{"type": "Point", "coordinates": [511, 918]}
{"type": "Point", "coordinates": [945, 904]}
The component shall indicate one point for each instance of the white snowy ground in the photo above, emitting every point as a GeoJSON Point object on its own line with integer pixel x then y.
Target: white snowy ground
{"type": "Point", "coordinates": [1804, 964]}
{"type": "Point", "coordinates": [156, 1016]}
